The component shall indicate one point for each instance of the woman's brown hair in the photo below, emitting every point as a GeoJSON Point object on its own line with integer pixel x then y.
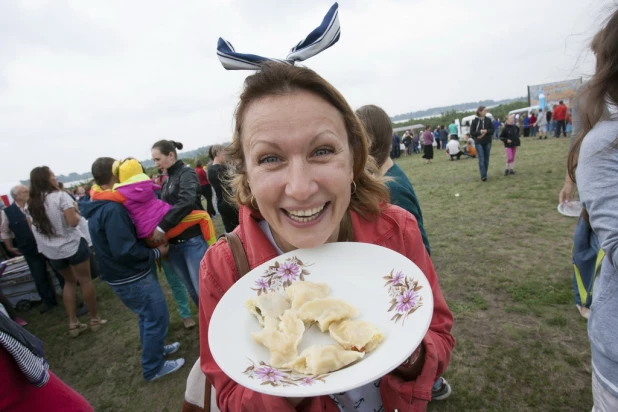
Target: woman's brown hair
{"type": "Point", "coordinates": [592, 97]}
{"type": "Point", "coordinates": [278, 79]}
{"type": "Point", "coordinates": [40, 187]}
{"type": "Point", "coordinates": [379, 131]}
{"type": "Point", "coordinates": [479, 110]}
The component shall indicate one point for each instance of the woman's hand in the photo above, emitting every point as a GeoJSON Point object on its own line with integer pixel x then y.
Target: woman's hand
{"type": "Point", "coordinates": [157, 236]}
{"type": "Point", "coordinates": [509, 141]}
{"type": "Point", "coordinates": [568, 190]}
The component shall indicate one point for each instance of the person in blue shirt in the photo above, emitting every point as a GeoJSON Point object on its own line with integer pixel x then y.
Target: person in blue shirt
{"type": "Point", "coordinates": [526, 124]}
{"type": "Point", "coordinates": [496, 123]}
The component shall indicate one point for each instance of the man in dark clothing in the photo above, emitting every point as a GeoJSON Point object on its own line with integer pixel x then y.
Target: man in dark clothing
{"type": "Point", "coordinates": [396, 152]}
{"type": "Point", "coordinates": [19, 241]}
{"type": "Point", "coordinates": [125, 264]}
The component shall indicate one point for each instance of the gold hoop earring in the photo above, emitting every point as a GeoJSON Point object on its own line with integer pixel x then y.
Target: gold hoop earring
{"type": "Point", "coordinates": [354, 183]}
{"type": "Point", "coordinates": [251, 201]}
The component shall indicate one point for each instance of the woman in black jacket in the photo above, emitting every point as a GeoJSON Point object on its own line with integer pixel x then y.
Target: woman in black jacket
{"type": "Point", "coordinates": [510, 137]}
{"type": "Point", "coordinates": [181, 190]}
{"type": "Point", "coordinates": [217, 176]}
{"type": "Point", "coordinates": [481, 130]}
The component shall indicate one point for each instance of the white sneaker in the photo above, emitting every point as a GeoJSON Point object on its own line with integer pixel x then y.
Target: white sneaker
{"type": "Point", "coordinates": [168, 367]}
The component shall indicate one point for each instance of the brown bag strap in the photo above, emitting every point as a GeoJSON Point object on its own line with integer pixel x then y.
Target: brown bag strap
{"type": "Point", "coordinates": [242, 267]}
{"type": "Point", "coordinates": [238, 251]}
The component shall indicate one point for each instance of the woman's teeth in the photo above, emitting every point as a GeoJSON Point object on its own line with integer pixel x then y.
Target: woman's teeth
{"type": "Point", "coordinates": [307, 215]}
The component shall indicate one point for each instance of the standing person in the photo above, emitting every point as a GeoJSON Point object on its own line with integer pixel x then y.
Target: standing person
{"type": "Point", "coordinates": [126, 267]}
{"type": "Point", "coordinates": [217, 174]}
{"type": "Point", "coordinates": [205, 187]}
{"type": "Point", "coordinates": [288, 106]}
{"type": "Point", "coordinates": [481, 130]}
{"type": "Point", "coordinates": [416, 142]}
{"type": "Point", "coordinates": [541, 124]}
{"type": "Point", "coordinates": [19, 240]}
{"type": "Point", "coordinates": [427, 144]}
{"type": "Point", "coordinates": [453, 130]}
{"type": "Point", "coordinates": [55, 218]}
{"type": "Point", "coordinates": [396, 152]}
{"type": "Point", "coordinates": [560, 114]}
{"type": "Point", "coordinates": [496, 123]}
{"type": "Point", "coordinates": [436, 137]}
{"type": "Point", "coordinates": [569, 122]}
{"type": "Point", "coordinates": [443, 136]}
{"type": "Point", "coordinates": [593, 164]}
{"type": "Point", "coordinates": [510, 137]}
{"type": "Point", "coordinates": [526, 125]}
{"type": "Point", "coordinates": [379, 129]}
{"type": "Point", "coordinates": [550, 121]}
{"type": "Point", "coordinates": [182, 191]}
{"type": "Point", "coordinates": [532, 124]}
{"type": "Point", "coordinates": [407, 142]}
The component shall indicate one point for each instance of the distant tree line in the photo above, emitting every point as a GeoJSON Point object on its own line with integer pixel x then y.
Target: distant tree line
{"type": "Point", "coordinates": [434, 111]}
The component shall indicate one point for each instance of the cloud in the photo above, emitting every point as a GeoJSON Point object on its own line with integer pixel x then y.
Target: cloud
{"type": "Point", "coordinates": [80, 80]}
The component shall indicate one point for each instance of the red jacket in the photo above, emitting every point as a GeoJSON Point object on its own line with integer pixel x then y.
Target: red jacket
{"type": "Point", "coordinates": [202, 176]}
{"type": "Point", "coordinates": [559, 112]}
{"type": "Point", "coordinates": [18, 394]}
{"type": "Point", "coordinates": [395, 229]}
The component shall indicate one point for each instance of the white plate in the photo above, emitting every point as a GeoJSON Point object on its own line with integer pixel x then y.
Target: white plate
{"type": "Point", "coordinates": [355, 272]}
{"type": "Point", "coordinates": [570, 209]}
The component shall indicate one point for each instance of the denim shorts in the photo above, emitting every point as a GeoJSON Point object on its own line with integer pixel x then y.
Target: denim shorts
{"type": "Point", "coordinates": [82, 255]}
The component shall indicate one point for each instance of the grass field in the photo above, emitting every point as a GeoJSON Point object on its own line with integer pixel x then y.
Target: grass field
{"type": "Point", "coordinates": [502, 253]}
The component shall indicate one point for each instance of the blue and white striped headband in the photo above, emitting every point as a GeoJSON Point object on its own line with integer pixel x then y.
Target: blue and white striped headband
{"type": "Point", "coordinates": [318, 40]}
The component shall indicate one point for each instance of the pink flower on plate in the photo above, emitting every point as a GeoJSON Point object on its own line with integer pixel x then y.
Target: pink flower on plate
{"type": "Point", "coordinates": [261, 283]}
{"type": "Point", "coordinates": [406, 301]}
{"type": "Point", "coordinates": [308, 381]}
{"type": "Point", "coordinates": [268, 374]}
{"type": "Point", "coordinates": [398, 278]}
{"type": "Point", "coordinates": [288, 271]}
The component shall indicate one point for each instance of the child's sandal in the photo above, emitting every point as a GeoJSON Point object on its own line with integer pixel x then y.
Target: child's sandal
{"type": "Point", "coordinates": [75, 329]}
{"type": "Point", "coordinates": [97, 323]}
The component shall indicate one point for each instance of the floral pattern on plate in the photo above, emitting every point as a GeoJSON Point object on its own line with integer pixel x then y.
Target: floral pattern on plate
{"type": "Point", "coordinates": [281, 275]}
{"type": "Point", "coordinates": [280, 377]}
{"type": "Point", "coordinates": [405, 299]}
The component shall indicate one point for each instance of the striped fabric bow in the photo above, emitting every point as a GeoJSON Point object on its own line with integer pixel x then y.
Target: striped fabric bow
{"type": "Point", "coordinates": [324, 36]}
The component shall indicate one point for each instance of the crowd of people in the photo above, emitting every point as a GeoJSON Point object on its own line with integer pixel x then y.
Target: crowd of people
{"type": "Point", "coordinates": [297, 147]}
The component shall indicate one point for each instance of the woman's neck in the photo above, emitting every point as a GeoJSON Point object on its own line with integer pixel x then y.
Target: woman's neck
{"type": "Point", "coordinates": [386, 166]}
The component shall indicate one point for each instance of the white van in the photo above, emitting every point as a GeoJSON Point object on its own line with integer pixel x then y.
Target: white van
{"type": "Point", "coordinates": [526, 110]}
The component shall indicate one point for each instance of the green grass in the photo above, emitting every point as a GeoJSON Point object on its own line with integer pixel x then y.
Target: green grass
{"type": "Point", "coordinates": [502, 253]}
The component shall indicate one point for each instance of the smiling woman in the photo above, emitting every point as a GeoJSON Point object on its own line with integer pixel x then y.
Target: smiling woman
{"type": "Point", "coordinates": [303, 179]}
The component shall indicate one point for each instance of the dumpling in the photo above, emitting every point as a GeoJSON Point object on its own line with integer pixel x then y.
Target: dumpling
{"type": "Point", "coordinates": [271, 305]}
{"type": "Point", "coordinates": [326, 311]}
{"type": "Point", "coordinates": [281, 338]}
{"type": "Point", "coordinates": [356, 335]}
{"type": "Point", "coordinates": [302, 292]}
{"type": "Point", "coordinates": [318, 360]}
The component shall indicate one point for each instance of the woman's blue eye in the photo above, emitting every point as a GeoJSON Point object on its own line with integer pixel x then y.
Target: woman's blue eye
{"type": "Point", "coordinates": [269, 159]}
{"type": "Point", "coordinates": [323, 152]}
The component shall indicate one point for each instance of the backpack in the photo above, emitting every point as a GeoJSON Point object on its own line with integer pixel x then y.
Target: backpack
{"type": "Point", "coordinates": [587, 258]}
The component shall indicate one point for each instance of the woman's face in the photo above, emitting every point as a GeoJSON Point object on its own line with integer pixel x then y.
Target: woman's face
{"type": "Point", "coordinates": [510, 119]}
{"type": "Point", "coordinates": [299, 167]}
{"type": "Point", "coordinates": [483, 112]}
{"type": "Point", "coordinates": [52, 179]}
{"type": "Point", "coordinates": [162, 161]}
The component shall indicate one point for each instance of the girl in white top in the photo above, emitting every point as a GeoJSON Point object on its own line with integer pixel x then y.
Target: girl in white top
{"type": "Point", "coordinates": [55, 219]}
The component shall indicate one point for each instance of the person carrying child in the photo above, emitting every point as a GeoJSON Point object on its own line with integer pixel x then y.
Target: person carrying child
{"type": "Point", "coordinates": [137, 193]}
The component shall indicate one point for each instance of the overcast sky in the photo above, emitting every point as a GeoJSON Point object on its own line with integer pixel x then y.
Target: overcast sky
{"type": "Point", "coordinates": [81, 79]}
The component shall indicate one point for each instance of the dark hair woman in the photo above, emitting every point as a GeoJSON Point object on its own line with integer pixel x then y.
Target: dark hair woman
{"type": "Point", "coordinates": [205, 187]}
{"type": "Point", "coordinates": [218, 176]}
{"type": "Point", "coordinates": [593, 164]}
{"type": "Point", "coordinates": [428, 139]}
{"type": "Point", "coordinates": [481, 130]}
{"type": "Point", "coordinates": [181, 190]}
{"type": "Point", "coordinates": [55, 219]}
{"type": "Point", "coordinates": [304, 178]}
